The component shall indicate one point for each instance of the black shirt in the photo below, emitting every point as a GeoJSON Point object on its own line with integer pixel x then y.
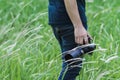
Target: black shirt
{"type": "Point", "coordinates": [58, 14]}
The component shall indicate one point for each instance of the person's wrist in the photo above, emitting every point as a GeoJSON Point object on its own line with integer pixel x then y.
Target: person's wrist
{"type": "Point", "coordinates": [78, 26]}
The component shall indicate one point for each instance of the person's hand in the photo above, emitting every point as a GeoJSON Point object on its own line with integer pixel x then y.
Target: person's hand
{"type": "Point", "coordinates": [81, 35]}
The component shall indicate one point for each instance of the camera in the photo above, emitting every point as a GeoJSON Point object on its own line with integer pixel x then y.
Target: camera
{"type": "Point", "coordinates": [79, 51]}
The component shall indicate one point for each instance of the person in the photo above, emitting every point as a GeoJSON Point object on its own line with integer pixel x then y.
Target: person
{"type": "Point", "coordinates": [69, 23]}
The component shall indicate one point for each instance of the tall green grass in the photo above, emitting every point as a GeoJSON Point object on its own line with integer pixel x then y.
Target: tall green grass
{"type": "Point", "coordinates": [29, 51]}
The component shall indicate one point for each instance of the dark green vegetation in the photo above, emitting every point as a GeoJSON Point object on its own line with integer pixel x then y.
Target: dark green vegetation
{"type": "Point", "coordinates": [29, 51]}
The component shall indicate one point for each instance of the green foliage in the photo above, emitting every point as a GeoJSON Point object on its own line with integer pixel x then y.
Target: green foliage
{"type": "Point", "coordinates": [29, 51]}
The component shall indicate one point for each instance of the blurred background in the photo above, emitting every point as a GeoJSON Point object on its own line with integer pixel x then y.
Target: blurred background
{"type": "Point", "coordinates": [29, 50]}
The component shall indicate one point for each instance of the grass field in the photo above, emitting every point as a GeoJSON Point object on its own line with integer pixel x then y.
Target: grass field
{"type": "Point", "coordinates": [29, 51]}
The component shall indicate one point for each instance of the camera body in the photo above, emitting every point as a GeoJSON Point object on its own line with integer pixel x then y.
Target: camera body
{"type": "Point", "coordinates": [79, 51]}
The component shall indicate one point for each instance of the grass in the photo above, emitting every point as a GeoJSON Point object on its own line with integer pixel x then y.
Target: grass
{"type": "Point", "coordinates": [29, 51]}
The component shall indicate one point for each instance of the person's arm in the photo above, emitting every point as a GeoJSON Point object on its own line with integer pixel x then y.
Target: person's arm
{"type": "Point", "coordinates": [80, 33]}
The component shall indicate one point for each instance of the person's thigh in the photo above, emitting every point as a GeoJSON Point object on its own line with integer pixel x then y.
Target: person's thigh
{"type": "Point", "coordinates": [65, 36]}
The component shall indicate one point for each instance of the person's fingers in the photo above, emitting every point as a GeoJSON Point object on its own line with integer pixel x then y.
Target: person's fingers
{"type": "Point", "coordinates": [81, 40]}
{"type": "Point", "coordinates": [85, 40]}
{"type": "Point", "coordinates": [76, 39]}
{"type": "Point", "coordinates": [90, 39]}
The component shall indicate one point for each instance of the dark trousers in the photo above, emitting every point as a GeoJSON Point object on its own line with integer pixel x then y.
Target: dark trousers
{"type": "Point", "coordinates": [65, 36]}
